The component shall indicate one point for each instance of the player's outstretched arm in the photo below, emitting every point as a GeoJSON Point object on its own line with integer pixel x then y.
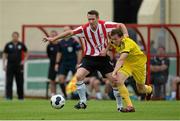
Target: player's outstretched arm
{"type": "Point", "coordinates": [119, 63]}
{"type": "Point", "coordinates": [60, 36]}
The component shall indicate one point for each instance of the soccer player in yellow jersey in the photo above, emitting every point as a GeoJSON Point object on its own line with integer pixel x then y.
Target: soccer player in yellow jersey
{"type": "Point", "coordinates": [132, 62]}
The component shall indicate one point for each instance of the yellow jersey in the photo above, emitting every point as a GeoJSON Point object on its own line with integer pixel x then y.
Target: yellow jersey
{"type": "Point", "coordinates": [136, 56]}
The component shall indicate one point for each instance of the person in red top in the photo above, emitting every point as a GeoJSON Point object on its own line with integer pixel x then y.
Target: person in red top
{"type": "Point", "coordinates": [94, 36]}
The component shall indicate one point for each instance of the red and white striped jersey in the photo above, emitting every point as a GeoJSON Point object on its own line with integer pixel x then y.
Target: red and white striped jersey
{"type": "Point", "coordinates": [94, 41]}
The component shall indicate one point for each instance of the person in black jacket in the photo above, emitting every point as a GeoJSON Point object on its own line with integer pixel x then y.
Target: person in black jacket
{"type": "Point", "coordinates": [52, 50]}
{"type": "Point", "coordinates": [14, 56]}
{"type": "Point", "coordinates": [159, 73]}
{"type": "Point", "coordinates": [67, 59]}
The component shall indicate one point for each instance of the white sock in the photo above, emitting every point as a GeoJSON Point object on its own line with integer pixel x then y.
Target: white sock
{"type": "Point", "coordinates": [81, 90]}
{"type": "Point", "coordinates": [173, 94]}
{"type": "Point", "coordinates": [118, 98]}
{"type": "Point", "coordinates": [99, 95]}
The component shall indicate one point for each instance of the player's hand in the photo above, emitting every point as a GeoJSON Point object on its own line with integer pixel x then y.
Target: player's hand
{"type": "Point", "coordinates": [56, 67]}
{"type": "Point", "coordinates": [103, 52]}
{"type": "Point", "coordinates": [114, 74]}
{"type": "Point", "coordinates": [45, 39]}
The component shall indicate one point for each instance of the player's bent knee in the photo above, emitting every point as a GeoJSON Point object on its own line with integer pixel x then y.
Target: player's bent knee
{"type": "Point", "coordinates": [121, 78]}
{"type": "Point", "coordinates": [81, 74]}
{"type": "Point", "coordinates": [79, 77]}
{"type": "Point", "coordinates": [120, 81]}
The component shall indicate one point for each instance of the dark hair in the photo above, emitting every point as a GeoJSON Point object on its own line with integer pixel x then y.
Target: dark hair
{"type": "Point", "coordinates": [15, 33]}
{"type": "Point", "coordinates": [117, 31]}
{"type": "Point", "coordinates": [93, 12]}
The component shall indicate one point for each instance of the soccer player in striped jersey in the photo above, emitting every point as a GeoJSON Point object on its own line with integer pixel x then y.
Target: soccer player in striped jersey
{"type": "Point", "coordinates": [94, 36]}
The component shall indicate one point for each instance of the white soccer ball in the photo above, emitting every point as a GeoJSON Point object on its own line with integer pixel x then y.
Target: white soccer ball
{"type": "Point", "coordinates": [57, 101]}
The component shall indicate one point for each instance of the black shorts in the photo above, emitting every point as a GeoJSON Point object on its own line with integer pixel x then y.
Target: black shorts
{"type": "Point", "coordinates": [52, 73]}
{"type": "Point", "coordinates": [64, 68]}
{"type": "Point", "coordinates": [98, 63]}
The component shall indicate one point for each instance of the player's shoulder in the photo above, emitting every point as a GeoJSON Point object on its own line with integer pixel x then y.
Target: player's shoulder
{"type": "Point", "coordinates": [20, 43]}
{"type": "Point", "coordinates": [106, 22]}
{"type": "Point", "coordinates": [101, 21]}
{"type": "Point", "coordinates": [128, 40]}
{"type": "Point", "coordinates": [61, 42]}
{"type": "Point", "coordinates": [110, 24]}
{"type": "Point", "coordinates": [78, 30]}
{"type": "Point", "coordinates": [85, 25]}
{"type": "Point", "coordinates": [8, 43]}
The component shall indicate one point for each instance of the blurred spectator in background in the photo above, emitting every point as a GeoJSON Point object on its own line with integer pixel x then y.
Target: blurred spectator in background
{"type": "Point", "coordinates": [141, 45]}
{"type": "Point", "coordinates": [52, 50]}
{"type": "Point", "coordinates": [152, 48]}
{"type": "Point", "coordinates": [159, 73]}
{"type": "Point", "coordinates": [175, 81]}
{"type": "Point", "coordinates": [13, 53]}
{"type": "Point", "coordinates": [94, 81]}
{"type": "Point", "coordinates": [67, 59]}
{"type": "Point", "coordinates": [132, 34]}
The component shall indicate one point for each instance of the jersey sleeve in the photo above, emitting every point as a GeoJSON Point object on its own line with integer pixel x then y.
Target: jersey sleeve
{"type": "Point", "coordinates": [78, 31]}
{"type": "Point", "coordinates": [110, 26]}
{"type": "Point", "coordinates": [77, 46]}
{"type": "Point", "coordinates": [126, 46]}
{"type": "Point", "coordinates": [6, 49]}
{"type": "Point", "coordinates": [24, 48]}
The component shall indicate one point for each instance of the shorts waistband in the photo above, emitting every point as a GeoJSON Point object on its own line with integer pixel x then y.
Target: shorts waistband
{"type": "Point", "coordinates": [96, 57]}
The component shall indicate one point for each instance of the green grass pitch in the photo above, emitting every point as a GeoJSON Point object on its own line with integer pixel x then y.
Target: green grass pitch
{"type": "Point", "coordinates": [97, 110]}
